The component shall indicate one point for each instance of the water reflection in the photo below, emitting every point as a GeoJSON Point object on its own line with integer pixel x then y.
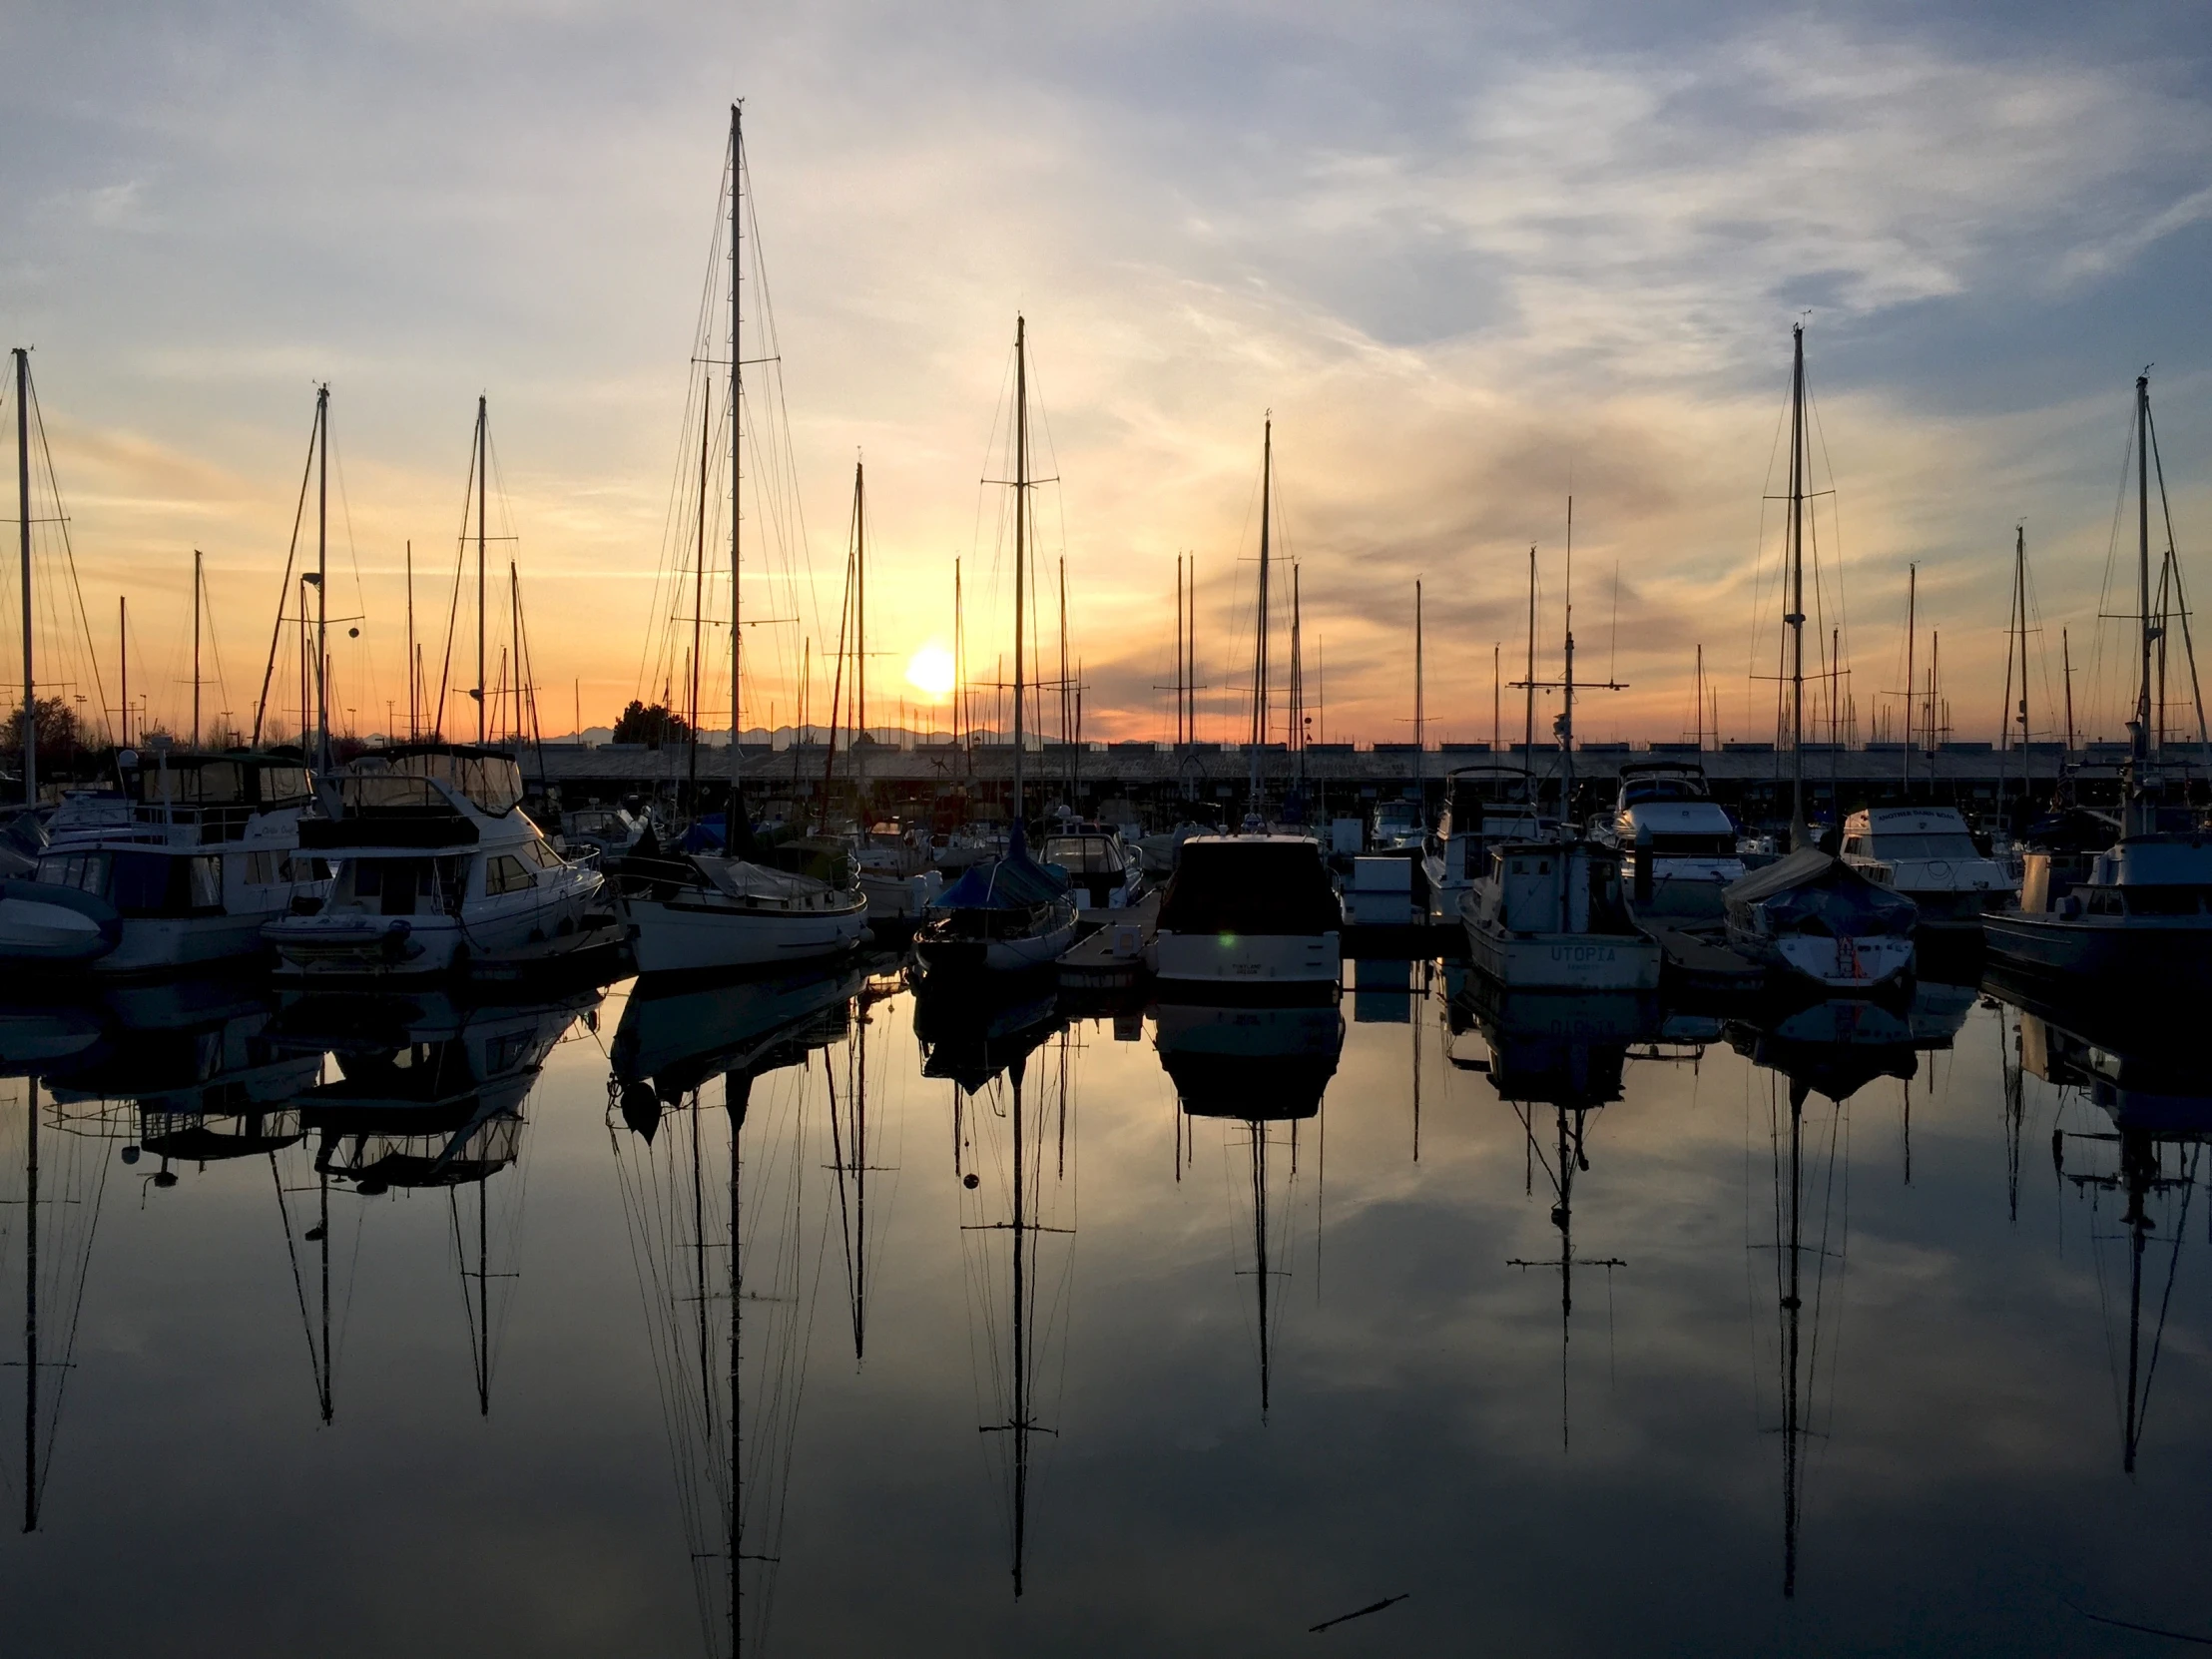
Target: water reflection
{"type": "Point", "coordinates": [726, 1254]}
{"type": "Point", "coordinates": [1126, 1412]}
{"type": "Point", "coordinates": [1261, 1070]}
{"type": "Point", "coordinates": [2135, 1094]}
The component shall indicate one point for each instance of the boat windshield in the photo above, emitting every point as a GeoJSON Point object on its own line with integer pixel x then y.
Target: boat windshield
{"type": "Point", "coordinates": [1397, 815]}
{"type": "Point", "coordinates": [1636, 791]}
{"type": "Point", "coordinates": [1082, 855]}
{"type": "Point", "coordinates": [1956, 844]}
{"type": "Point", "coordinates": [1250, 887]}
{"type": "Point", "coordinates": [492, 783]}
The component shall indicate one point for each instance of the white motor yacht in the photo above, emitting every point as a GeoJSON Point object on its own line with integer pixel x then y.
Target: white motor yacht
{"type": "Point", "coordinates": [185, 863]}
{"type": "Point", "coordinates": [701, 911]}
{"type": "Point", "coordinates": [1250, 910]}
{"type": "Point", "coordinates": [1102, 871]}
{"type": "Point", "coordinates": [1484, 806]}
{"type": "Point", "coordinates": [1399, 826]}
{"type": "Point", "coordinates": [1665, 816]}
{"type": "Point", "coordinates": [437, 869]}
{"type": "Point", "coordinates": [1927, 855]}
{"type": "Point", "coordinates": [1550, 915]}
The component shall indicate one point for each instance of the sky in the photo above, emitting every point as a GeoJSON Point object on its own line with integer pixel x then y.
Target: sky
{"type": "Point", "coordinates": [1472, 259]}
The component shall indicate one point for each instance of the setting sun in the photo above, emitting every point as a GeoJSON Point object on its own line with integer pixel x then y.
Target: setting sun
{"type": "Point", "coordinates": [930, 669]}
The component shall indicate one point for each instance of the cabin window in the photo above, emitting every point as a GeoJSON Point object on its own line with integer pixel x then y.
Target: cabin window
{"type": "Point", "coordinates": [394, 883]}
{"type": "Point", "coordinates": [283, 783]}
{"type": "Point", "coordinates": [2162, 902]}
{"type": "Point", "coordinates": [1855, 846]}
{"type": "Point", "coordinates": [85, 872]}
{"type": "Point", "coordinates": [505, 875]}
{"type": "Point", "coordinates": [2103, 902]}
{"type": "Point", "coordinates": [1917, 846]}
{"type": "Point", "coordinates": [152, 884]}
{"type": "Point", "coordinates": [203, 882]}
{"type": "Point", "coordinates": [541, 853]}
{"type": "Point", "coordinates": [296, 869]}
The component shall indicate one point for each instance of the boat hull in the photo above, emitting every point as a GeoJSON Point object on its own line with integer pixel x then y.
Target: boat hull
{"type": "Point", "coordinates": [349, 946]}
{"type": "Point", "coordinates": [676, 937]}
{"type": "Point", "coordinates": [1023, 954]}
{"type": "Point", "coordinates": [1247, 958]}
{"type": "Point", "coordinates": [1858, 964]}
{"type": "Point", "coordinates": [2170, 959]}
{"type": "Point", "coordinates": [1564, 961]}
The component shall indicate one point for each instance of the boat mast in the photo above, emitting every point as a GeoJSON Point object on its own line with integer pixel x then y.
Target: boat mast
{"type": "Point", "coordinates": [414, 717]}
{"type": "Point", "coordinates": [1296, 729]}
{"type": "Point", "coordinates": [195, 585]}
{"type": "Point", "coordinates": [23, 525]}
{"type": "Point", "coordinates": [1566, 712]}
{"type": "Point", "coordinates": [2019, 603]}
{"type": "Point", "coordinates": [1260, 629]}
{"type": "Point", "coordinates": [1021, 544]}
{"type": "Point", "coordinates": [122, 657]}
{"type": "Point", "coordinates": [1911, 639]}
{"type": "Point", "coordinates": [737, 828]}
{"type": "Point", "coordinates": [1801, 831]}
{"type": "Point", "coordinates": [2141, 820]}
{"type": "Point", "coordinates": [482, 420]}
{"type": "Point", "coordinates": [1420, 708]}
{"type": "Point", "coordinates": [699, 602]}
{"type": "Point", "coordinates": [1528, 711]}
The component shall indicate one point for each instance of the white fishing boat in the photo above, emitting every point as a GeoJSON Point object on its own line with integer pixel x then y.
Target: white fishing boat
{"type": "Point", "coordinates": [1251, 909]}
{"type": "Point", "coordinates": [437, 869]}
{"type": "Point", "coordinates": [1680, 842]}
{"type": "Point", "coordinates": [1927, 855]}
{"type": "Point", "coordinates": [1550, 915]}
{"type": "Point", "coordinates": [1485, 805]}
{"type": "Point", "coordinates": [185, 863]}
{"type": "Point", "coordinates": [1823, 923]}
{"type": "Point", "coordinates": [701, 911]}
{"type": "Point", "coordinates": [2134, 921]}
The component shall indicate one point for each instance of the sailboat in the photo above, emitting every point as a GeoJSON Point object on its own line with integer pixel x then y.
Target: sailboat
{"type": "Point", "coordinates": [700, 910]}
{"type": "Point", "coordinates": [1008, 915]}
{"type": "Point", "coordinates": [2130, 921]}
{"type": "Point", "coordinates": [1251, 907]}
{"type": "Point", "coordinates": [1549, 915]}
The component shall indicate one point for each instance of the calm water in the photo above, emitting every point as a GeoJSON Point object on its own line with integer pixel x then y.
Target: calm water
{"type": "Point", "coordinates": [432, 1354]}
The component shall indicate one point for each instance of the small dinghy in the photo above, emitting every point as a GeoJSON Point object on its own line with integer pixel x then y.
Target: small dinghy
{"type": "Point", "coordinates": [1816, 918]}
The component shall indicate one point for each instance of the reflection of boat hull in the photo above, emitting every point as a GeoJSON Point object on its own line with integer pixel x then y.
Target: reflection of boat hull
{"type": "Point", "coordinates": [942, 949]}
{"type": "Point", "coordinates": [1252, 1063]}
{"type": "Point", "coordinates": [680, 1032]}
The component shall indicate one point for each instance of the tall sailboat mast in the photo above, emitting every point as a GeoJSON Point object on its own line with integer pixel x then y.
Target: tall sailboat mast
{"type": "Point", "coordinates": [1260, 630]}
{"type": "Point", "coordinates": [2140, 736]}
{"type": "Point", "coordinates": [699, 605]}
{"type": "Point", "coordinates": [735, 831]}
{"type": "Point", "coordinates": [196, 587]}
{"type": "Point", "coordinates": [1021, 540]}
{"type": "Point", "coordinates": [1801, 831]}
{"type": "Point", "coordinates": [23, 525]}
{"type": "Point", "coordinates": [483, 480]}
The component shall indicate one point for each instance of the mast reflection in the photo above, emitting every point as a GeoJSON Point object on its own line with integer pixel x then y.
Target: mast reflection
{"type": "Point", "coordinates": [1260, 1068]}
{"type": "Point", "coordinates": [730, 1407]}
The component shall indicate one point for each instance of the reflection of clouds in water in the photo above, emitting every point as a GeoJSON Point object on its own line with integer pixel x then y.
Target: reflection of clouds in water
{"type": "Point", "coordinates": [1969, 1459]}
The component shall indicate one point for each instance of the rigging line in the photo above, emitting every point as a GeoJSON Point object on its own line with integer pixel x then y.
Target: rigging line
{"type": "Point", "coordinates": [2173, 561]}
{"type": "Point", "coordinates": [298, 1285]}
{"type": "Point", "coordinates": [69, 551]}
{"type": "Point", "coordinates": [2165, 1301]}
{"type": "Point", "coordinates": [67, 1363]}
{"type": "Point", "coordinates": [291, 554]}
{"type": "Point", "coordinates": [367, 666]}
{"type": "Point", "coordinates": [2112, 557]}
{"type": "Point", "coordinates": [453, 606]}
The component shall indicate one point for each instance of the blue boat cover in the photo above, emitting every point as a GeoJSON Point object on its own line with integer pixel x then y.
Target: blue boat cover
{"type": "Point", "coordinates": [1811, 891]}
{"type": "Point", "coordinates": [1013, 882]}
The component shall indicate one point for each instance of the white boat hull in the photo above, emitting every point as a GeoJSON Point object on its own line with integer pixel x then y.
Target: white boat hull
{"type": "Point", "coordinates": [677, 937]}
{"type": "Point", "coordinates": [344, 945]}
{"type": "Point", "coordinates": [1837, 965]}
{"type": "Point", "coordinates": [1024, 954]}
{"type": "Point", "coordinates": [1248, 958]}
{"type": "Point", "coordinates": [899, 899]}
{"type": "Point", "coordinates": [1564, 961]}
